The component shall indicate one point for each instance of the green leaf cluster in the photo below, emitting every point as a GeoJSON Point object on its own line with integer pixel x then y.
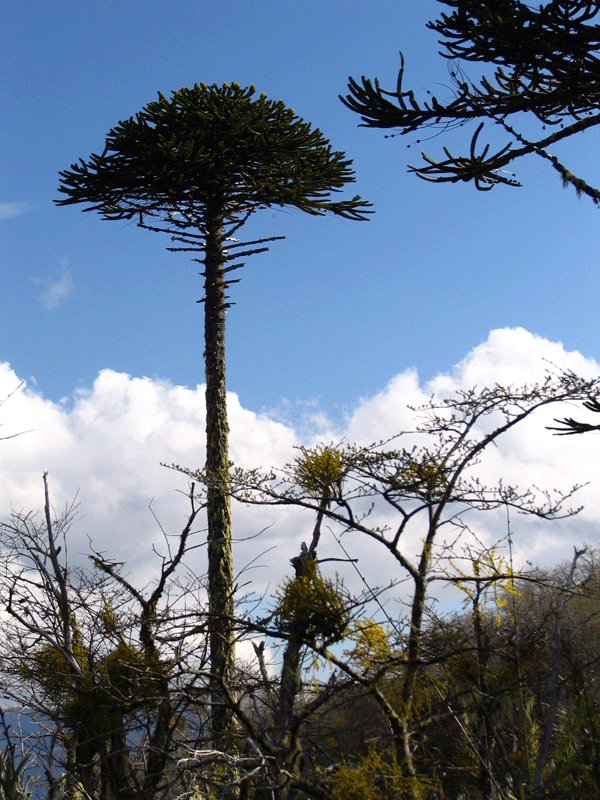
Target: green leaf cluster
{"type": "Point", "coordinates": [423, 476]}
{"type": "Point", "coordinates": [311, 607]}
{"type": "Point", "coordinates": [378, 776]}
{"type": "Point", "coordinates": [106, 688]}
{"type": "Point", "coordinates": [372, 643]}
{"type": "Point", "coordinates": [321, 470]}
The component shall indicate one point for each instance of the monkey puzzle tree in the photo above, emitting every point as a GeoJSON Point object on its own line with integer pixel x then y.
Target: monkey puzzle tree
{"type": "Point", "coordinates": [546, 66]}
{"type": "Point", "coordinates": [196, 166]}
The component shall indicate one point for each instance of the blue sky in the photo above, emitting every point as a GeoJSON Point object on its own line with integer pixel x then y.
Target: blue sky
{"type": "Point", "coordinates": [338, 308]}
{"type": "Point", "coordinates": [333, 332]}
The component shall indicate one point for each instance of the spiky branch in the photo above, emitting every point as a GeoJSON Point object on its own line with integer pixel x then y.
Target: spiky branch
{"type": "Point", "coordinates": [545, 65]}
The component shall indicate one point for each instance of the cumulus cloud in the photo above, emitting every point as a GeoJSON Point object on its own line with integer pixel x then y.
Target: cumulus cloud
{"type": "Point", "coordinates": [107, 444]}
{"type": "Point", "coordinates": [525, 457]}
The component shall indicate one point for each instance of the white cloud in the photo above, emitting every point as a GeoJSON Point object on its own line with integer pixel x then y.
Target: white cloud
{"type": "Point", "coordinates": [511, 356]}
{"type": "Point", "coordinates": [56, 290]}
{"type": "Point", "coordinates": [10, 210]}
{"type": "Point", "coordinates": [527, 456]}
{"type": "Point", "coordinates": [108, 445]}
{"type": "Point", "coordinates": [109, 441]}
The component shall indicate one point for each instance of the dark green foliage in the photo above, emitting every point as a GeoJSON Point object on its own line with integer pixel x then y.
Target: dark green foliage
{"type": "Point", "coordinates": [212, 144]}
{"type": "Point", "coordinates": [546, 64]}
{"type": "Point", "coordinates": [549, 50]}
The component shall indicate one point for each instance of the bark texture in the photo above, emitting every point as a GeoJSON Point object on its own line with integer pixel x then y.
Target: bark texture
{"type": "Point", "coordinates": [220, 552]}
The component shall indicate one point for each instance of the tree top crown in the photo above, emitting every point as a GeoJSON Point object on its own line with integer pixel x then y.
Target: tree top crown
{"type": "Point", "coordinates": [214, 147]}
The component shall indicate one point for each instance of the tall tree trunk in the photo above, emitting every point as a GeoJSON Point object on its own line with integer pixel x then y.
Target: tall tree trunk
{"type": "Point", "coordinates": [220, 553]}
{"type": "Point", "coordinates": [285, 737]}
{"type": "Point", "coordinates": [404, 748]}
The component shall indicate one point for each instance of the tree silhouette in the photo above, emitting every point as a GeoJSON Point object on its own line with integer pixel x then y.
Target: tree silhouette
{"type": "Point", "coordinates": [196, 166]}
{"type": "Point", "coordinates": [569, 426]}
{"type": "Point", "coordinates": [545, 66]}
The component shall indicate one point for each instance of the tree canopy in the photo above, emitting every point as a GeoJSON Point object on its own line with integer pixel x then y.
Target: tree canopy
{"type": "Point", "coordinates": [208, 144]}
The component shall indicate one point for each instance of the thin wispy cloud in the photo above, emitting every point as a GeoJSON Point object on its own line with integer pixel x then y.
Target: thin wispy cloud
{"type": "Point", "coordinates": [56, 290]}
{"type": "Point", "coordinates": [16, 209]}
